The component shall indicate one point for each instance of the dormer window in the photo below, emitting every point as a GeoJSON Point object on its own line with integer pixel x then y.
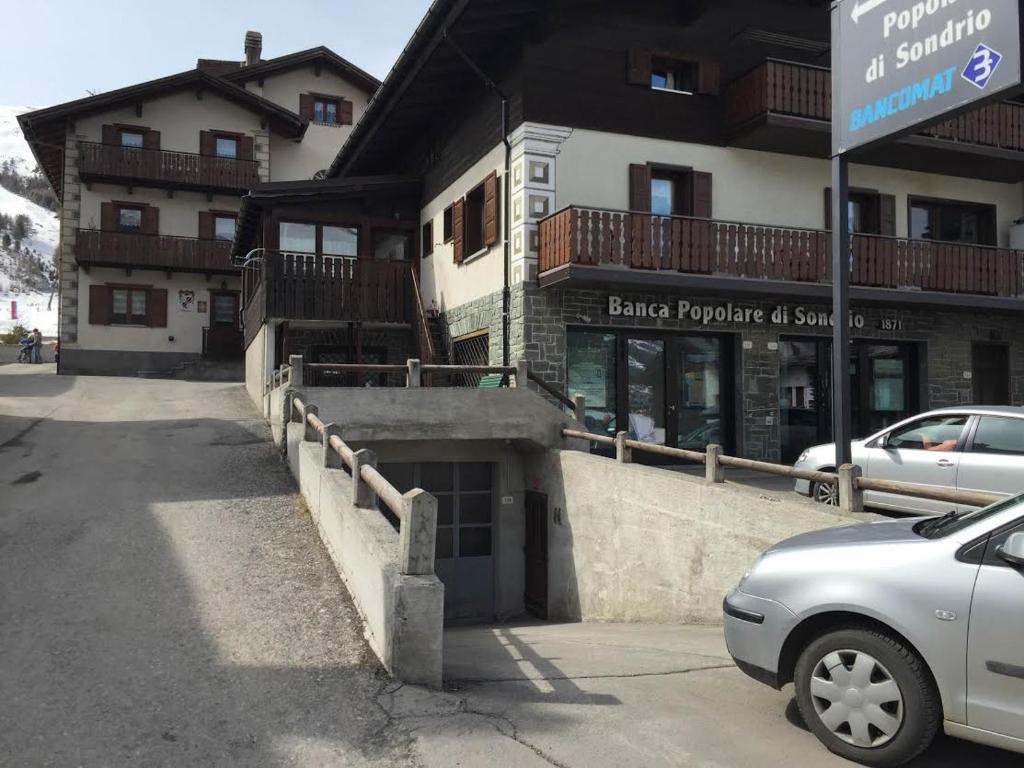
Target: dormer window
{"type": "Point", "coordinates": [677, 76]}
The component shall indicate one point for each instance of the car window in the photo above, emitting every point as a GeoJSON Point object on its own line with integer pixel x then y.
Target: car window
{"type": "Point", "coordinates": [999, 435]}
{"type": "Point", "coordinates": [991, 555]}
{"type": "Point", "coordinates": [934, 433]}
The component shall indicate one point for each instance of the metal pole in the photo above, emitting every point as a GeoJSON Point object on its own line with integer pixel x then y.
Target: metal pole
{"type": "Point", "coordinates": [842, 264]}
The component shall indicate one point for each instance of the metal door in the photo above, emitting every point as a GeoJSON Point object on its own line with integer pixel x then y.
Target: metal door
{"type": "Point", "coordinates": [995, 653]}
{"type": "Point", "coordinates": [536, 549]}
{"type": "Point", "coordinates": [926, 451]}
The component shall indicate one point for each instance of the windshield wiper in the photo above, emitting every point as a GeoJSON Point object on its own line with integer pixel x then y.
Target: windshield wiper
{"type": "Point", "coordinates": [927, 526]}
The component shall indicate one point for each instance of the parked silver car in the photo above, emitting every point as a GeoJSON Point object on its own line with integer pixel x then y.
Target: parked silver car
{"type": "Point", "coordinates": [889, 630]}
{"type": "Point", "coordinates": [972, 448]}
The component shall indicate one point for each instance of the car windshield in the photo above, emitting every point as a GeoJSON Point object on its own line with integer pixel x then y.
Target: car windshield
{"type": "Point", "coordinates": [947, 525]}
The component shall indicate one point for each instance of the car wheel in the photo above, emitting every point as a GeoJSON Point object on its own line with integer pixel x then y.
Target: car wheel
{"type": "Point", "coordinates": [825, 493]}
{"type": "Point", "coordinates": [867, 697]}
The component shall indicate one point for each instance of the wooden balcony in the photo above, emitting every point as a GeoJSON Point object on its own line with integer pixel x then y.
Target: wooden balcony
{"type": "Point", "coordinates": [782, 106]}
{"type": "Point", "coordinates": [95, 248]}
{"type": "Point", "coordinates": [620, 243]}
{"type": "Point", "coordinates": [134, 166]}
{"type": "Point", "coordinates": [303, 286]}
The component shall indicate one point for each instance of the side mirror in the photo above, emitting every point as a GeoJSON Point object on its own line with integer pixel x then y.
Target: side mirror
{"type": "Point", "coordinates": [883, 441]}
{"type": "Point", "coordinates": [1013, 550]}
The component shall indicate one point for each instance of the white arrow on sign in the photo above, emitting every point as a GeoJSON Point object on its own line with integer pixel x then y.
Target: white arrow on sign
{"type": "Point", "coordinates": [859, 9]}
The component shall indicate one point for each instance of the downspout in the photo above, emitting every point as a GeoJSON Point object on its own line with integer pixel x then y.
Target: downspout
{"type": "Point", "coordinates": [506, 291]}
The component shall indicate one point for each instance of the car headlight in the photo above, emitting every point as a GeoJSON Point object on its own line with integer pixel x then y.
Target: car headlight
{"type": "Point", "coordinates": [803, 456]}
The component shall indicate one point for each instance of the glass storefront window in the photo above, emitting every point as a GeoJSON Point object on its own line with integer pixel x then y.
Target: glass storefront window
{"type": "Point", "coordinates": [646, 379]}
{"type": "Point", "coordinates": [700, 392]}
{"type": "Point", "coordinates": [592, 369]}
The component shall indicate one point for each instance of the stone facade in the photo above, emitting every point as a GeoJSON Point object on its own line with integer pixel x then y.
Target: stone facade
{"type": "Point", "coordinates": [943, 337]}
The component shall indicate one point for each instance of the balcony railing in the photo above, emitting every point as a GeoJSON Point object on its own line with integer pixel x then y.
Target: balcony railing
{"type": "Point", "coordinates": [178, 254]}
{"type": "Point", "coordinates": [586, 236]}
{"type": "Point", "coordinates": [305, 286]}
{"type": "Point", "coordinates": [157, 167]}
{"type": "Point", "coordinates": [805, 91]}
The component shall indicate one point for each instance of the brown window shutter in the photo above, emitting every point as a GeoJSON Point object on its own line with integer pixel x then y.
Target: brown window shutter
{"type": "Point", "coordinates": [491, 209]}
{"type": "Point", "coordinates": [108, 217]}
{"type": "Point", "coordinates": [640, 188]}
{"type": "Point", "coordinates": [206, 225]}
{"type": "Point", "coordinates": [111, 135]}
{"type": "Point", "coordinates": [639, 71]}
{"type": "Point", "coordinates": [344, 112]}
{"type": "Point", "coordinates": [245, 148]}
{"type": "Point", "coordinates": [207, 144]}
{"type": "Point", "coordinates": [709, 77]}
{"type": "Point", "coordinates": [702, 195]}
{"type": "Point", "coordinates": [156, 307]}
{"type": "Point", "coordinates": [151, 139]}
{"type": "Point", "coordinates": [458, 230]}
{"type": "Point", "coordinates": [887, 215]}
{"type": "Point", "coordinates": [306, 106]}
{"type": "Point", "coordinates": [101, 305]}
{"type": "Point", "coordinates": [828, 208]}
{"type": "Point", "coordinates": [150, 220]}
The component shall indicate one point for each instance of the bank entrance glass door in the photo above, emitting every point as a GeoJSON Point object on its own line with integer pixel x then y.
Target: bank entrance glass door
{"type": "Point", "coordinates": [884, 384]}
{"type": "Point", "coordinates": [664, 389]}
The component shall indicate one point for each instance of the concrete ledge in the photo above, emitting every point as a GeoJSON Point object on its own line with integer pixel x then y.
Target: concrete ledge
{"type": "Point", "coordinates": [107, 362]}
{"type": "Point", "coordinates": [404, 615]}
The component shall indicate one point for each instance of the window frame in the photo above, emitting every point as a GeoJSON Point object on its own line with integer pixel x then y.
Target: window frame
{"type": "Point", "coordinates": [129, 318]}
{"type": "Point", "coordinates": [219, 136]}
{"type": "Point", "coordinates": [474, 197]}
{"type": "Point", "coordinates": [140, 132]}
{"type": "Point", "coordinates": [119, 208]}
{"type": "Point", "coordinates": [324, 101]}
{"type": "Point", "coordinates": [427, 239]}
{"type": "Point", "coordinates": [318, 237]}
{"type": "Point", "coordinates": [217, 216]}
{"type": "Point", "coordinates": [447, 226]}
{"type": "Point", "coordinates": [672, 66]}
{"type": "Point", "coordinates": [681, 178]}
{"type": "Point", "coordinates": [988, 231]}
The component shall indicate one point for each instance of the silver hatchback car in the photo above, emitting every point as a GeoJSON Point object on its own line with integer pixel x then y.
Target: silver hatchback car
{"type": "Point", "coordinates": [890, 630]}
{"type": "Point", "coordinates": [972, 448]}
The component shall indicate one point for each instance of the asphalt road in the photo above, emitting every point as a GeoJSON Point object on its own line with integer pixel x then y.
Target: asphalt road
{"type": "Point", "coordinates": [164, 600]}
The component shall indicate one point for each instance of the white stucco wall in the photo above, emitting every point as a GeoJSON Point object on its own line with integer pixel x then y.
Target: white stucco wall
{"type": "Point", "coordinates": [179, 117]}
{"type": "Point", "coordinates": [443, 281]}
{"type": "Point", "coordinates": [757, 187]}
{"type": "Point", "coordinates": [185, 326]}
{"type": "Point", "coordinates": [179, 215]}
{"type": "Point", "coordinates": [291, 160]}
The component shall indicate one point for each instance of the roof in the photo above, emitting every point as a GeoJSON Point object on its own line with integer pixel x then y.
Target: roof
{"type": "Point", "coordinates": [267, 195]}
{"type": "Point", "coordinates": [429, 77]}
{"type": "Point", "coordinates": [319, 55]}
{"type": "Point", "coordinates": [45, 129]}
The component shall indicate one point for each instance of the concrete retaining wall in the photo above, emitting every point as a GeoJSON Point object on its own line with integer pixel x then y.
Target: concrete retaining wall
{"type": "Point", "coordinates": [638, 544]}
{"type": "Point", "coordinates": [403, 614]}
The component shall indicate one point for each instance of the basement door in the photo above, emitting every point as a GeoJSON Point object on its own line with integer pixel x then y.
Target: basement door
{"type": "Point", "coordinates": [464, 553]}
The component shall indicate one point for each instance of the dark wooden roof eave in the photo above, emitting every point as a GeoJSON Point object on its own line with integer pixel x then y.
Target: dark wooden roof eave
{"type": "Point", "coordinates": [322, 54]}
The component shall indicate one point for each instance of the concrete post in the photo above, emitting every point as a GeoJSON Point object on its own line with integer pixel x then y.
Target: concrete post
{"type": "Point", "coordinates": [580, 408]}
{"type": "Point", "coordinates": [417, 533]}
{"type": "Point", "coordinates": [331, 459]}
{"type": "Point", "coordinates": [288, 409]}
{"type": "Point", "coordinates": [311, 436]}
{"type": "Point", "coordinates": [362, 493]}
{"type": "Point", "coordinates": [851, 497]}
{"type": "Point", "coordinates": [522, 373]}
{"type": "Point", "coordinates": [298, 379]}
{"type": "Point", "coordinates": [413, 378]}
{"type": "Point", "coordinates": [623, 453]}
{"type": "Point", "coordinates": [714, 472]}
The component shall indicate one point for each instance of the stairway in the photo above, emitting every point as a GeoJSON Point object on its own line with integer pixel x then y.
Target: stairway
{"type": "Point", "coordinates": [439, 338]}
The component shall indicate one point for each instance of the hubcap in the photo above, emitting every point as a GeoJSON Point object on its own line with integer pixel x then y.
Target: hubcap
{"type": "Point", "coordinates": [857, 699]}
{"type": "Point", "coordinates": [826, 493]}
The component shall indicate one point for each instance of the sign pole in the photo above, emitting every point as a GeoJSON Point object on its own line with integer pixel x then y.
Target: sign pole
{"type": "Point", "coordinates": [842, 265]}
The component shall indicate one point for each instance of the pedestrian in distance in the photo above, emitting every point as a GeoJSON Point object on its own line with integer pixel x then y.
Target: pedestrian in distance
{"type": "Point", "coordinates": [37, 346]}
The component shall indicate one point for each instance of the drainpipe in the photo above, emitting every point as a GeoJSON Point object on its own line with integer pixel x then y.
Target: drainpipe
{"type": "Point", "coordinates": [506, 291]}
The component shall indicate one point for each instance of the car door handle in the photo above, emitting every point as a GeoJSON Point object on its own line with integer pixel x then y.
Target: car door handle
{"type": "Point", "coordinates": [945, 463]}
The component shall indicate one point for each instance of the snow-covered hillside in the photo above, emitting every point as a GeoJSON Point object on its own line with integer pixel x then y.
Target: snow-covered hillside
{"type": "Point", "coordinates": [18, 305]}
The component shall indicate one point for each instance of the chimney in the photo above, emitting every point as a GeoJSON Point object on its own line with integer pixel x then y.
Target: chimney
{"type": "Point", "coordinates": [253, 48]}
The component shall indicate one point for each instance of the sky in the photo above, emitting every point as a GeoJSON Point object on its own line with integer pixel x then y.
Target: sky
{"type": "Point", "coordinates": [59, 50]}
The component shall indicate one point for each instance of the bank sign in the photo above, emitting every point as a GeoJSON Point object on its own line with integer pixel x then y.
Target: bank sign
{"type": "Point", "coordinates": [711, 314]}
{"type": "Point", "coordinates": [898, 65]}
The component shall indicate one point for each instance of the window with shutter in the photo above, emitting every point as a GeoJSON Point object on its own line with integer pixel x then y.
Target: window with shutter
{"type": "Point", "coordinates": [474, 224]}
{"type": "Point", "coordinates": [458, 233]}
{"type": "Point", "coordinates": [639, 69]}
{"type": "Point", "coordinates": [427, 239]}
{"type": "Point", "coordinates": [100, 309]}
{"type": "Point", "coordinates": [491, 215]}
{"type": "Point", "coordinates": [870, 213]}
{"type": "Point", "coordinates": [640, 187]}
{"type": "Point", "coordinates": [702, 207]}
{"type": "Point", "coordinates": [306, 106]}
{"type": "Point", "coordinates": [156, 308]}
